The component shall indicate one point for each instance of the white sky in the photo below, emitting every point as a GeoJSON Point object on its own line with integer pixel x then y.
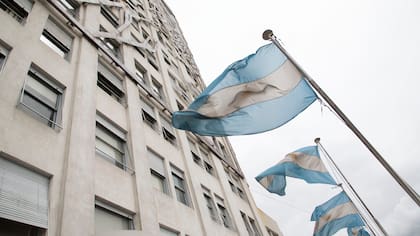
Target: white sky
{"type": "Point", "coordinates": [366, 56]}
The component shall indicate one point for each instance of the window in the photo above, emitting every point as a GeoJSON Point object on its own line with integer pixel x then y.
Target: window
{"type": "Point", "coordinates": [9, 227]}
{"type": "Point", "coordinates": [110, 83]}
{"type": "Point", "coordinates": [71, 6]}
{"type": "Point", "coordinates": [148, 114]}
{"type": "Point", "coordinates": [210, 204]}
{"type": "Point", "coordinates": [111, 142]}
{"type": "Point", "coordinates": [157, 171]}
{"type": "Point", "coordinates": [43, 97]}
{"type": "Point", "coordinates": [110, 43]}
{"type": "Point", "coordinates": [4, 52]}
{"type": "Point", "coordinates": [166, 58]}
{"type": "Point", "coordinates": [168, 131]}
{"type": "Point", "coordinates": [23, 198]}
{"type": "Point", "coordinates": [157, 89]}
{"type": "Point", "coordinates": [18, 9]}
{"type": "Point", "coordinates": [246, 223]}
{"type": "Point", "coordinates": [139, 49]}
{"type": "Point", "coordinates": [164, 231]}
{"type": "Point", "coordinates": [145, 34]}
{"type": "Point", "coordinates": [140, 73]}
{"type": "Point", "coordinates": [108, 219]}
{"type": "Point", "coordinates": [271, 232]}
{"type": "Point", "coordinates": [56, 38]}
{"type": "Point", "coordinates": [180, 186]}
{"type": "Point", "coordinates": [208, 166]}
{"type": "Point", "coordinates": [151, 58]}
{"type": "Point", "coordinates": [131, 4]}
{"type": "Point", "coordinates": [179, 105]}
{"type": "Point", "coordinates": [224, 151]}
{"type": "Point", "coordinates": [224, 213]}
{"type": "Point", "coordinates": [254, 227]}
{"type": "Point", "coordinates": [194, 153]}
{"type": "Point", "coordinates": [235, 183]}
{"type": "Point", "coordinates": [109, 15]}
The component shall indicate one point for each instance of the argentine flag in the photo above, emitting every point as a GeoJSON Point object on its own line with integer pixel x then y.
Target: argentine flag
{"type": "Point", "coordinates": [337, 213]}
{"type": "Point", "coordinates": [258, 93]}
{"type": "Point", "coordinates": [304, 163]}
{"type": "Point", "coordinates": [358, 231]}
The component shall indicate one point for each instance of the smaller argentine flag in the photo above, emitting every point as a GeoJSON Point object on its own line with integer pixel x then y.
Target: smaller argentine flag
{"type": "Point", "coordinates": [304, 163]}
{"type": "Point", "coordinates": [335, 214]}
{"type": "Point", "coordinates": [261, 92]}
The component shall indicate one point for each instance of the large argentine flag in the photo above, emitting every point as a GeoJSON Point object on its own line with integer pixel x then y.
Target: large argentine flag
{"type": "Point", "coordinates": [258, 93]}
{"type": "Point", "coordinates": [337, 213]}
{"type": "Point", "coordinates": [304, 163]}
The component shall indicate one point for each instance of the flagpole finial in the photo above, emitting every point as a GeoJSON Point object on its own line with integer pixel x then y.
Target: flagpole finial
{"type": "Point", "coordinates": [267, 34]}
{"type": "Point", "coordinates": [317, 140]}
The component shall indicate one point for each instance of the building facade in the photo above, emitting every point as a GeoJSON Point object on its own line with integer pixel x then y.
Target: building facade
{"type": "Point", "coordinates": [87, 89]}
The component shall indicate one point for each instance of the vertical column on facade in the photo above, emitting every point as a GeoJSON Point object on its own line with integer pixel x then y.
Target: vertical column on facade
{"type": "Point", "coordinates": [146, 214]}
{"type": "Point", "coordinates": [77, 214]}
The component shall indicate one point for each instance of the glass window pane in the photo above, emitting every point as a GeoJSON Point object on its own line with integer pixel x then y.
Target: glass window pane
{"type": "Point", "coordinates": [156, 163]}
{"type": "Point", "coordinates": [50, 44]}
{"type": "Point", "coordinates": [167, 232]}
{"type": "Point", "coordinates": [109, 151]}
{"type": "Point", "coordinates": [181, 196]}
{"type": "Point", "coordinates": [42, 89]}
{"type": "Point", "coordinates": [39, 107]}
{"type": "Point", "coordinates": [106, 221]}
{"type": "Point", "coordinates": [158, 182]}
{"type": "Point", "coordinates": [110, 138]}
{"type": "Point", "coordinates": [2, 59]}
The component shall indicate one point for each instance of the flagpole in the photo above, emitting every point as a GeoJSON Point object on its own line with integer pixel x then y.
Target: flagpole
{"type": "Point", "coordinates": [349, 186]}
{"type": "Point", "coordinates": [268, 35]}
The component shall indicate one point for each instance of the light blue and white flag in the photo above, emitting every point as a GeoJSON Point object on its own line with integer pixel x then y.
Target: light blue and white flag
{"type": "Point", "coordinates": [304, 163]}
{"type": "Point", "coordinates": [357, 231]}
{"type": "Point", "coordinates": [335, 214]}
{"type": "Point", "coordinates": [258, 93]}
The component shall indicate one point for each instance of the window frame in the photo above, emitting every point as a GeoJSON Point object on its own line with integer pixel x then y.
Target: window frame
{"type": "Point", "coordinates": [211, 206]}
{"type": "Point", "coordinates": [180, 186]}
{"type": "Point", "coordinates": [149, 117]}
{"type": "Point", "coordinates": [224, 213]}
{"type": "Point", "coordinates": [111, 44]}
{"type": "Point", "coordinates": [120, 136]}
{"type": "Point", "coordinates": [4, 51]}
{"type": "Point", "coordinates": [36, 74]}
{"type": "Point", "coordinates": [19, 12]}
{"type": "Point", "coordinates": [116, 212]}
{"type": "Point", "coordinates": [106, 12]}
{"type": "Point", "coordinates": [53, 41]}
{"type": "Point", "coordinates": [105, 81]}
{"type": "Point", "coordinates": [140, 70]}
{"type": "Point", "coordinates": [69, 4]}
{"type": "Point", "coordinates": [168, 132]}
{"type": "Point", "coordinates": [158, 174]}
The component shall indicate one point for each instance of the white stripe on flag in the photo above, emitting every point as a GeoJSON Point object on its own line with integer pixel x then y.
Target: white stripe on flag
{"type": "Point", "coordinates": [305, 161]}
{"type": "Point", "coordinates": [266, 181]}
{"type": "Point", "coordinates": [277, 84]}
{"type": "Point", "coordinates": [335, 213]}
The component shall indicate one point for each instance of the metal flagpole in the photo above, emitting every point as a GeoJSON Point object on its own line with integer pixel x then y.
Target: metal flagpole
{"type": "Point", "coordinates": [349, 186]}
{"type": "Point", "coordinates": [268, 35]}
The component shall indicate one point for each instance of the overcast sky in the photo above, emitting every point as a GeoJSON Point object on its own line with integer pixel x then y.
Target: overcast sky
{"type": "Point", "coordinates": [366, 57]}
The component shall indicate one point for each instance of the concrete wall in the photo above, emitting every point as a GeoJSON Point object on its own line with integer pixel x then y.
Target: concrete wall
{"type": "Point", "coordinates": [78, 175]}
